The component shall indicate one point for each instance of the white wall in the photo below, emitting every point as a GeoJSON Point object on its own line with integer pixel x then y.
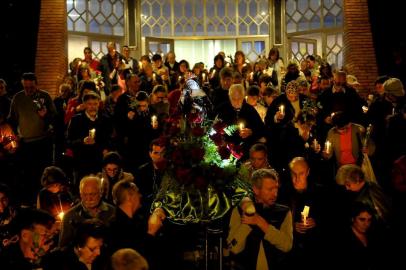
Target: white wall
{"type": "Point", "coordinates": [195, 51]}
{"type": "Point", "coordinates": [76, 44]}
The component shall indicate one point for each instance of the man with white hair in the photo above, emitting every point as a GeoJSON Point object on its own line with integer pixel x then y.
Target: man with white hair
{"type": "Point", "coordinates": [249, 125]}
{"type": "Point", "coordinates": [90, 206]}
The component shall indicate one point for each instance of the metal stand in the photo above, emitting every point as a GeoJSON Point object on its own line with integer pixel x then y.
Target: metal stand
{"type": "Point", "coordinates": [211, 255]}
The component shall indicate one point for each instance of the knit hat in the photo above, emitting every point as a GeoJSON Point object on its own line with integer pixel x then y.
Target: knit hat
{"type": "Point", "coordinates": [292, 87]}
{"type": "Point", "coordinates": [394, 86]}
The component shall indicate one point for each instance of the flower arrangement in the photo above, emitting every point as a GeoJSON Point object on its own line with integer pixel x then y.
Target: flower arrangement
{"type": "Point", "coordinates": [200, 183]}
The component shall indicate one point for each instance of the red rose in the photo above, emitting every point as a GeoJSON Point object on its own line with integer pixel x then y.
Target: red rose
{"type": "Point", "coordinates": [197, 154]}
{"type": "Point", "coordinates": [197, 131]}
{"type": "Point", "coordinates": [183, 175]}
{"type": "Point", "coordinates": [219, 127]}
{"type": "Point", "coordinates": [177, 157]}
{"type": "Point", "coordinates": [223, 152]}
{"type": "Point", "coordinates": [236, 150]}
{"type": "Point", "coordinates": [217, 138]}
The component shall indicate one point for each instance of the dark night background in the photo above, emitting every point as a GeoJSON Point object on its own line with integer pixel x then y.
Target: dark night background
{"type": "Point", "coordinates": [19, 25]}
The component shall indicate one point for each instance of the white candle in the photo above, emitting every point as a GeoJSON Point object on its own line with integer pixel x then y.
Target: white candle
{"type": "Point", "coordinates": [315, 143]}
{"type": "Point", "coordinates": [154, 77]}
{"type": "Point", "coordinates": [241, 125]}
{"type": "Point", "coordinates": [282, 109]}
{"type": "Point", "coordinates": [252, 76]}
{"type": "Point", "coordinates": [327, 147]}
{"type": "Point", "coordinates": [154, 121]}
{"type": "Point", "coordinates": [213, 72]}
{"type": "Point", "coordinates": [140, 64]}
{"type": "Point", "coordinates": [204, 77]}
{"type": "Point", "coordinates": [92, 133]}
{"type": "Point", "coordinates": [179, 78]}
{"type": "Point", "coordinates": [13, 144]}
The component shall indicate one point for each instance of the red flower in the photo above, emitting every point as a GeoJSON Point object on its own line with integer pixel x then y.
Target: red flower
{"type": "Point", "coordinates": [197, 131]}
{"type": "Point", "coordinates": [177, 157]}
{"type": "Point", "coordinates": [197, 154]}
{"type": "Point", "coordinates": [219, 127]}
{"type": "Point", "coordinates": [183, 175]}
{"type": "Point", "coordinates": [236, 150]}
{"type": "Point", "coordinates": [217, 138]}
{"type": "Point", "coordinates": [223, 152]}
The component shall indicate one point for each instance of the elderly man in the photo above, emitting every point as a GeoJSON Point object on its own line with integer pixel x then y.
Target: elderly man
{"type": "Point", "coordinates": [90, 206]}
{"type": "Point", "coordinates": [260, 240]}
{"type": "Point", "coordinates": [235, 111]}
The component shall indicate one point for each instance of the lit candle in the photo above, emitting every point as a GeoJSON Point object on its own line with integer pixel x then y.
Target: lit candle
{"type": "Point", "coordinates": [305, 213]}
{"type": "Point", "coordinates": [282, 109]}
{"type": "Point", "coordinates": [213, 72]}
{"type": "Point", "coordinates": [241, 126]}
{"type": "Point", "coordinates": [60, 215]}
{"type": "Point", "coordinates": [92, 133]}
{"type": "Point", "coordinates": [154, 121]}
{"type": "Point", "coordinates": [154, 77]}
{"type": "Point", "coordinates": [179, 78]}
{"type": "Point", "coordinates": [327, 147]}
{"type": "Point", "coordinates": [252, 76]}
{"type": "Point", "coordinates": [140, 64]}
{"type": "Point", "coordinates": [204, 77]}
{"type": "Point", "coordinates": [13, 144]}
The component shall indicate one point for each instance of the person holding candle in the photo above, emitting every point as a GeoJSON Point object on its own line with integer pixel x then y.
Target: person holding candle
{"type": "Point", "coordinates": [88, 149]}
{"type": "Point", "coordinates": [139, 130]}
{"type": "Point", "coordinates": [236, 111]}
{"type": "Point", "coordinates": [89, 207]}
{"type": "Point", "coordinates": [262, 240]}
{"type": "Point", "coordinates": [307, 200]}
{"type": "Point", "coordinates": [111, 173]}
{"type": "Point", "coordinates": [55, 197]}
{"type": "Point", "coordinates": [345, 141]}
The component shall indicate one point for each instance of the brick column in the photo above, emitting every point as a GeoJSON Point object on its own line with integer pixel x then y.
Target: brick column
{"type": "Point", "coordinates": [359, 51]}
{"type": "Point", "coordinates": [52, 54]}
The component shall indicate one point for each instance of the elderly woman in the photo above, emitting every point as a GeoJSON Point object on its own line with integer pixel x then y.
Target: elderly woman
{"type": "Point", "coordinates": [353, 179]}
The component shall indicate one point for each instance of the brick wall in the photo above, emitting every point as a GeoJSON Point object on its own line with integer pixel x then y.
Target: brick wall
{"type": "Point", "coordinates": [51, 58]}
{"type": "Point", "coordinates": [359, 51]}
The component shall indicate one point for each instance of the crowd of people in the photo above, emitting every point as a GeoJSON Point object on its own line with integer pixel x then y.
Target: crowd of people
{"type": "Point", "coordinates": [323, 160]}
